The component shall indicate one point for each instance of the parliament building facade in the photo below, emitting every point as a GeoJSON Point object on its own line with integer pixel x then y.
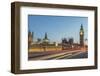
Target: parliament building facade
{"type": "Point", "coordinates": [45, 45]}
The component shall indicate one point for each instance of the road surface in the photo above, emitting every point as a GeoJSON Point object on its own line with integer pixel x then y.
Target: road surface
{"type": "Point", "coordinates": [58, 55]}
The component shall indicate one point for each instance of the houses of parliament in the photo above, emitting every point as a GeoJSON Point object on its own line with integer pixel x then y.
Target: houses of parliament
{"type": "Point", "coordinates": [44, 44]}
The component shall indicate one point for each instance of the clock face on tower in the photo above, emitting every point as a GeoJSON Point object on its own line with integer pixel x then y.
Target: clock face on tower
{"type": "Point", "coordinates": [81, 33]}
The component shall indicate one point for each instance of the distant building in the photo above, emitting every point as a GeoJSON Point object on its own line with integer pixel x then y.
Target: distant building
{"type": "Point", "coordinates": [42, 44]}
{"type": "Point", "coordinates": [45, 39]}
{"type": "Point", "coordinates": [67, 43]}
{"type": "Point", "coordinates": [64, 41]}
{"type": "Point", "coordinates": [30, 38]}
{"type": "Point", "coordinates": [71, 41]}
{"type": "Point", "coordinates": [39, 41]}
{"type": "Point", "coordinates": [81, 36]}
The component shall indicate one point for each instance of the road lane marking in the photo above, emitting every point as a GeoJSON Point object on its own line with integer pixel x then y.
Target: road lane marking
{"type": "Point", "coordinates": [63, 56]}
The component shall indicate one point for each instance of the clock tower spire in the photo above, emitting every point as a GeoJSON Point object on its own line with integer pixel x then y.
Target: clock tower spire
{"type": "Point", "coordinates": [81, 36]}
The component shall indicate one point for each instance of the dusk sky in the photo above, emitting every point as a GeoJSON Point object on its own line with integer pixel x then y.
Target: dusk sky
{"type": "Point", "coordinates": [57, 27]}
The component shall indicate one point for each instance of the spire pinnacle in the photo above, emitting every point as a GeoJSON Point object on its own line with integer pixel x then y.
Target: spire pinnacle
{"type": "Point", "coordinates": [46, 37]}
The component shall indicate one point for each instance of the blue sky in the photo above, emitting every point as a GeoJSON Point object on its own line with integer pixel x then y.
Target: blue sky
{"type": "Point", "coordinates": [57, 27]}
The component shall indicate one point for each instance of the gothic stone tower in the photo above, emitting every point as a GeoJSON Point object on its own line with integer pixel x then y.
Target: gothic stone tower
{"type": "Point", "coordinates": [81, 36]}
{"type": "Point", "coordinates": [30, 38]}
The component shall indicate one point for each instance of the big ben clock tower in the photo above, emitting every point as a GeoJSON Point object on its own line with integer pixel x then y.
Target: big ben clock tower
{"type": "Point", "coordinates": [81, 36]}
